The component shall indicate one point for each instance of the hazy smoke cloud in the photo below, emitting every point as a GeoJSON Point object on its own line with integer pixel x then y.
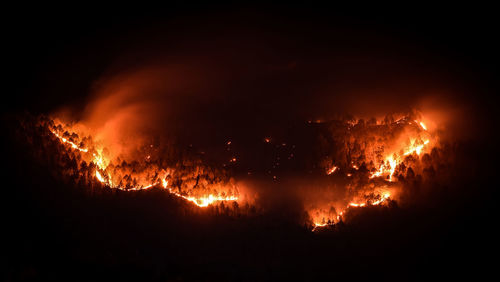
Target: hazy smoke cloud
{"type": "Point", "coordinates": [207, 92]}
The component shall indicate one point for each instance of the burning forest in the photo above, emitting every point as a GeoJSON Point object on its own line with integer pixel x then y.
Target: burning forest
{"type": "Point", "coordinates": [296, 148]}
{"type": "Point", "coordinates": [375, 156]}
{"type": "Point", "coordinates": [197, 184]}
{"type": "Point", "coordinates": [366, 164]}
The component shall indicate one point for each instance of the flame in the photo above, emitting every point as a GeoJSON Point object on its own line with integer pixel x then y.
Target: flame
{"type": "Point", "coordinates": [388, 167]}
{"type": "Point", "coordinates": [395, 142]}
{"type": "Point", "coordinates": [66, 141]}
{"type": "Point", "coordinates": [422, 125]}
{"type": "Point", "coordinates": [383, 199]}
{"type": "Point", "coordinates": [99, 176]}
{"type": "Point", "coordinates": [319, 225]}
{"type": "Point", "coordinates": [416, 149]}
{"type": "Point", "coordinates": [357, 205]}
{"type": "Point", "coordinates": [104, 176]}
{"type": "Point", "coordinates": [332, 170]}
{"type": "Point", "coordinates": [323, 222]}
{"type": "Point", "coordinates": [204, 201]}
{"type": "Point", "coordinates": [413, 142]}
{"type": "Point", "coordinates": [392, 160]}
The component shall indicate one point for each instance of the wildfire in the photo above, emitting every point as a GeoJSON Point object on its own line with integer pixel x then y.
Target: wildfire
{"type": "Point", "coordinates": [422, 125]}
{"type": "Point", "coordinates": [357, 205]}
{"type": "Point", "coordinates": [204, 201]}
{"type": "Point", "coordinates": [376, 151]}
{"type": "Point", "coordinates": [99, 176]}
{"type": "Point", "coordinates": [392, 160]}
{"type": "Point", "coordinates": [326, 220]}
{"type": "Point", "coordinates": [382, 199]}
{"type": "Point", "coordinates": [382, 147]}
{"type": "Point", "coordinates": [319, 225]}
{"type": "Point", "coordinates": [104, 175]}
{"type": "Point", "coordinates": [66, 141]}
{"type": "Point", "coordinates": [416, 149]}
{"type": "Point", "coordinates": [332, 170]}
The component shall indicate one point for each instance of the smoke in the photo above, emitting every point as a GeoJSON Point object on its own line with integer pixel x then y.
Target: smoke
{"type": "Point", "coordinates": [201, 94]}
{"type": "Point", "coordinates": [128, 110]}
{"type": "Point", "coordinates": [245, 82]}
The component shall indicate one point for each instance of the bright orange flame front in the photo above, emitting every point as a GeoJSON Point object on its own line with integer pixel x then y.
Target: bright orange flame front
{"type": "Point", "coordinates": [413, 139]}
{"type": "Point", "coordinates": [104, 176]}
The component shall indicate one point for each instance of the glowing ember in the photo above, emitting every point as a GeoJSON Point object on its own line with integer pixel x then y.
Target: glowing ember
{"type": "Point", "coordinates": [319, 225]}
{"type": "Point", "coordinates": [332, 170]}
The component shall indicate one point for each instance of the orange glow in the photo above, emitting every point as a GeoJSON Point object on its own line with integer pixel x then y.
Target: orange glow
{"type": "Point", "coordinates": [319, 225]}
{"type": "Point", "coordinates": [66, 141]}
{"type": "Point", "coordinates": [99, 176]}
{"type": "Point", "coordinates": [200, 201]}
{"type": "Point", "coordinates": [324, 219]}
{"type": "Point", "coordinates": [394, 158]}
{"type": "Point", "coordinates": [357, 205]}
{"type": "Point", "coordinates": [416, 149]}
{"type": "Point", "coordinates": [382, 147]}
{"type": "Point", "coordinates": [105, 175]}
{"type": "Point", "coordinates": [422, 125]}
{"type": "Point", "coordinates": [332, 170]}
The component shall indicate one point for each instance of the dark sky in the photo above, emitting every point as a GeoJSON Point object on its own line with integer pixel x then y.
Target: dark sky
{"type": "Point", "coordinates": [58, 54]}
